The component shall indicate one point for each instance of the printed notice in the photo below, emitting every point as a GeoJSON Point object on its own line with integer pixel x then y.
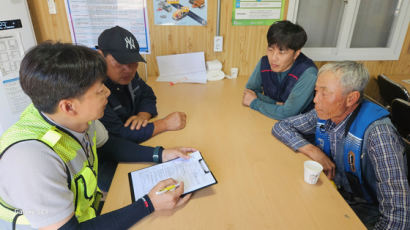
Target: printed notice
{"type": "Point", "coordinates": [87, 19]}
{"type": "Point", "coordinates": [257, 12]}
{"type": "Point", "coordinates": [11, 54]}
{"type": "Point", "coordinates": [17, 99]}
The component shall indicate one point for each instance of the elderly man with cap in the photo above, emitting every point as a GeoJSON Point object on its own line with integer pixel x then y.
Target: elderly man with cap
{"type": "Point", "coordinates": [132, 102]}
{"type": "Point", "coordinates": [357, 145]}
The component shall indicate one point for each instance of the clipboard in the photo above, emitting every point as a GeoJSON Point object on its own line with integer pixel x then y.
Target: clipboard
{"type": "Point", "coordinates": [194, 172]}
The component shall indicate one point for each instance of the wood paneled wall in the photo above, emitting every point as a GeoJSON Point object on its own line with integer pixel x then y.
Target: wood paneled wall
{"type": "Point", "coordinates": [243, 45]}
{"type": "Point", "coordinates": [49, 26]}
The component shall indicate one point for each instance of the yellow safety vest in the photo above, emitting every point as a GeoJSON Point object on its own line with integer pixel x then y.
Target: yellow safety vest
{"type": "Point", "coordinates": [83, 184]}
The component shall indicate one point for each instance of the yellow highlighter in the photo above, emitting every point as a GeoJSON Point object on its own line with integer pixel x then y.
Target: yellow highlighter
{"type": "Point", "coordinates": [169, 188]}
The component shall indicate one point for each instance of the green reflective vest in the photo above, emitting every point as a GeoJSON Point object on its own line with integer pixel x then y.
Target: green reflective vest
{"type": "Point", "coordinates": [83, 182]}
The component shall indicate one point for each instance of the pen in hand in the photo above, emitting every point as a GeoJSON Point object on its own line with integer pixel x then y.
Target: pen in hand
{"type": "Point", "coordinates": [166, 189]}
{"type": "Point", "coordinates": [170, 200]}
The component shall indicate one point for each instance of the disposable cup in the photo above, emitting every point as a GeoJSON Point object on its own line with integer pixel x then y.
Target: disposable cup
{"type": "Point", "coordinates": [234, 72]}
{"type": "Point", "coordinates": [312, 171]}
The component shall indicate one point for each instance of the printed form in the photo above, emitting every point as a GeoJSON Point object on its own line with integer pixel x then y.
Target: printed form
{"type": "Point", "coordinates": [193, 172]}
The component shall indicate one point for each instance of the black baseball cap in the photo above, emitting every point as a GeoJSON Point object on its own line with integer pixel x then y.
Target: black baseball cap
{"type": "Point", "coordinates": [121, 44]}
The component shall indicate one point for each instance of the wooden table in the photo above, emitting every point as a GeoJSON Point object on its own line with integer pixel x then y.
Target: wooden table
{"type": "Point", "coordinates": [260, 180]}
{"type": "Point", "coordinates": [399, 79]}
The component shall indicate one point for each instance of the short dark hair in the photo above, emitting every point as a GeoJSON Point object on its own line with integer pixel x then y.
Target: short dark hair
{"type": "Point", "coordinates": [286, 35]}
{"type": "Point", "coordinates": [51, 72]}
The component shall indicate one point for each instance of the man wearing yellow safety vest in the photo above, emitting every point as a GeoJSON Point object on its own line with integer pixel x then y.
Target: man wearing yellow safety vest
{"type": "Point", "coordinates": [48, 159]}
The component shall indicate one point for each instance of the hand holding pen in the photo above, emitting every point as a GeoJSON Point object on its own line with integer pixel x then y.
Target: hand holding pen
{"type": "Point", "coordinates": [166, 189]}
{"type": "Point", "coordinates": [166, 194]}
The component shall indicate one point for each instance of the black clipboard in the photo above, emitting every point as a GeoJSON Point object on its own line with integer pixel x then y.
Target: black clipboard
{"type": "Point", "coordinates": [201, 162]}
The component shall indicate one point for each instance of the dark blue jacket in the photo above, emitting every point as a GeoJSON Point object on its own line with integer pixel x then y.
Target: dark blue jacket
{"type": "Point", "coordinates": [279, 91]}
{"type": "Point", "coordinates": [126, 101]}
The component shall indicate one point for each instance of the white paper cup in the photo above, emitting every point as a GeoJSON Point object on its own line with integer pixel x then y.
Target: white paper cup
{"type": "Point", "coordinates": [234, 72]}
{"type": "Point", "coordinates": [312, 171]}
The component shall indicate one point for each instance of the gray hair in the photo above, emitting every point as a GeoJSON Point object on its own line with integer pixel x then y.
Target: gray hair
{"type": "Point", "coordinates": [353, 75]}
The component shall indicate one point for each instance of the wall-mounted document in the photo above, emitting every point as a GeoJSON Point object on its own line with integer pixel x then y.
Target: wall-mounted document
{"type": "Point", "coordinates": [87, 19]}
{"type": "Point", "coordinates": [189, 68]}
{"type": "Point", "coordinates": [194, 172]}
{"type": "Point", "coordinates": [12, 98]}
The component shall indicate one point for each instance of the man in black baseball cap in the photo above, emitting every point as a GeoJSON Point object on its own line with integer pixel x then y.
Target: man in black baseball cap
{"type": "Point", "coordinates": [121, 44]}
{"type": "Point", "coordinates": [132, 102]}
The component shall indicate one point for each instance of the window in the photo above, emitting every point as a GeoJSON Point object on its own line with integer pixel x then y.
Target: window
{"type": "Point", "coordinates": [352, 29]}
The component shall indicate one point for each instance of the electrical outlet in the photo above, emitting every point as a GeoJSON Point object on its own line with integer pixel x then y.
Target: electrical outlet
{"type": "Point", "coordinates": [51, 7]}
{"type": "Point", "coordinates": [218, 43]}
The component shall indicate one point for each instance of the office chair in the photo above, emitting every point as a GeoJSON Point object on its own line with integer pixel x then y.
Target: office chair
{"type": "Point", "coordinates": [400, 116]}
{"type": "Point", "coordinates": [407, 155]}
{"type": "Point", "coordinates": [389, 90]}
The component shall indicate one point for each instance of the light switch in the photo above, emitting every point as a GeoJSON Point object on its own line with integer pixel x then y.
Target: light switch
{"type": "Point", "coordinates": [218, 43]}
{"type": "Point", "coordinates": [51, 7]}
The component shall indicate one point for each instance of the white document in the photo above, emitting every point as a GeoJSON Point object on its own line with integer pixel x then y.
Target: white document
{"type": "Point", "coordinates": [87, 19]}
{"type": "Point", "coordinates": [189, 68]}
{"type": "Point", "coordinates": [193, 172]}
{"type": "Point", "coordinates": [12, 98]}
{"type": "Point", "coordinates": [11, 54]}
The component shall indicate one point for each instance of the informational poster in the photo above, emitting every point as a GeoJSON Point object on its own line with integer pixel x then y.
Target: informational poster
{"type": "Point", "coordinates": [257, 12]}
{"type": "Point", "coordinates": [180, 12]}
{"type": "Point", "coordinates": [11, 54]}
{"type": "Point", "coordinates": [88, 19]}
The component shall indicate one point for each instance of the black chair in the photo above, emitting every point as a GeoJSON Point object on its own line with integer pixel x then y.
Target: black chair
{"type": "Point", "coordinates": [389, 90]}
{"type": "Point", "coordinates": [407, 155]}
{"type": "Point", "coordinates": [400, 116]}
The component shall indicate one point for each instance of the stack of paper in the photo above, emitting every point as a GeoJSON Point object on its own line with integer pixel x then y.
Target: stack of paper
{"type": "Point", "coordinates": [189, 67]}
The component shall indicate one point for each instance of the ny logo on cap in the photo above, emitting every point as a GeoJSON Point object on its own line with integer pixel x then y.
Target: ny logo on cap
{"type": "Point", "coordinates": [129, 42]}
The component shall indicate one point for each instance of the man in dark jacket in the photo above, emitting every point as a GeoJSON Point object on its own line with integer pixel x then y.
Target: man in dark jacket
{"type": "Point", "coordinates": [131, 105]}
{"type": "Point", "coordinates": [132, 102]}
{"type": "Point", "coordinates": [282, 83]}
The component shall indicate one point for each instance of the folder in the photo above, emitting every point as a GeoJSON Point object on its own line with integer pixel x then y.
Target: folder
{"type": "Point", "coordinates": [194, 172]}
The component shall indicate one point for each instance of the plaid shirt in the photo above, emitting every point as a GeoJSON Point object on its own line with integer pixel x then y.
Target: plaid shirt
{"type": "Point", "coordinates": [392, 186]}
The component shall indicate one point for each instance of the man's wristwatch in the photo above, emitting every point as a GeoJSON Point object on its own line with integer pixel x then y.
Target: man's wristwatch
{"type": "Point", "coordinates": [157, 156]}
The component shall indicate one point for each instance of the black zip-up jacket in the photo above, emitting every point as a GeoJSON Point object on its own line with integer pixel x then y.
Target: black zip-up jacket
{"type": "Point", "coordinates": [126, 101]}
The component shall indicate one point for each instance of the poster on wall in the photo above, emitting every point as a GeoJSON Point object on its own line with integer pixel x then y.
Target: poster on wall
{"type": "Point", "coordinates": [12, 97]}
{"type": "Point", "coordinates": [180, 12]}
{"type": "Point", "coordinates": [257, 12]}
{"type": "Point", "coordinates": [87, 19]}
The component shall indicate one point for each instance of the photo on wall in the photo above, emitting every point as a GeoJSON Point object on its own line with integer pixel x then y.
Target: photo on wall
{"type": "Point", "coordinates": [180, 12]}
